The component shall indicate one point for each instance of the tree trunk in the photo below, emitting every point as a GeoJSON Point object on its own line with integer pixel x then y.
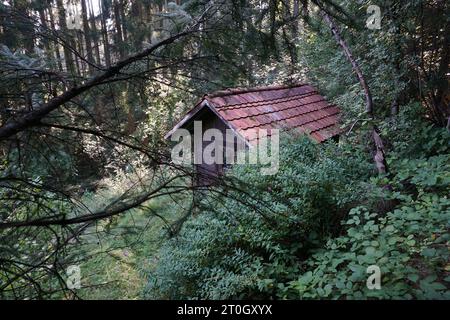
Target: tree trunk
{"type": "Point", "coordinates": [87, 37]}
{"type": "Point", "coordinates": [443, 90]}
{"type": "Point", "coordinates": [56, 45]}
{"type": "Point", "coordinates": [123, 20]}
{"type": "Point", "coordinates": [27, 30]}
{"type": "Point", "coordinates": [379, 153]}
{"type": "Point", "coordinates": [105, 37]}
{"type": "Point", "coordinates": [64, 32]}
{"type": "Point", "coordinates": [337, 35]}
{"type": "Point", "coordinates": [94, 31]}
{"type": "Point", "coordinates": [295, 14]}
{"type": "Point", "coordinates": [118, 23]}
{"type": "Point", "coordinates": [44, 24]}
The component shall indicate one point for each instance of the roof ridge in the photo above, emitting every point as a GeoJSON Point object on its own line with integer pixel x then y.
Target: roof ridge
{"type": "Point", "coordinates": [239, 90]}
{"type": "Point", "coordinates": [263, 102]}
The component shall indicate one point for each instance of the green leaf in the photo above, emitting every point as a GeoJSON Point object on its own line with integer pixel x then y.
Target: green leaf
{"type": "Point", "coordinates": [413, 277]}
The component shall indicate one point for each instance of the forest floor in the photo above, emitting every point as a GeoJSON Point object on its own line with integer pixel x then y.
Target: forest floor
{"type": "Point", "coordinates": [118, 261]}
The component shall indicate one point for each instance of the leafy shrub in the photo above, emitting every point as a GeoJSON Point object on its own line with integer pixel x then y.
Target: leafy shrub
{"type": "Point", "coordinates": [411, 137]}
{"type": "Point", "coordinates": [312, 230]}
{"type": "Point", "coordinates": [410, 243]}
{"type": "Point", "coordinates": [250, 243]}
{"type": "Point", "coordinates": [409, 246]}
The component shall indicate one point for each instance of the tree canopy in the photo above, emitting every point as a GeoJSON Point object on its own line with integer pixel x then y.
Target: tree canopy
{"type": "Point", "coordinates": [90, 87]}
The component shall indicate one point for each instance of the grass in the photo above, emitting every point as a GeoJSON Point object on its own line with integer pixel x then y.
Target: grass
{"type": "Point", "coordinates": [117, 255]}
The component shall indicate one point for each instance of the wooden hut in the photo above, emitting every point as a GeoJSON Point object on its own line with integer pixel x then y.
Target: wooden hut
{"type": "Point", "coordinates": [296, 108]}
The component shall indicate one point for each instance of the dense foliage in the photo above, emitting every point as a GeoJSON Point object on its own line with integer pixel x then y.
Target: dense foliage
{"type": "Point", "coordinates": [90, 87]}
{"type": "Point", "coordinates": [319, 223]}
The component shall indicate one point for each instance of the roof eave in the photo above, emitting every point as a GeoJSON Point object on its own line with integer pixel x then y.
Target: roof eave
{"type": "Point", "coordinates": [200, 106]}
{"type": "Point", "coordinates": [188, 117]}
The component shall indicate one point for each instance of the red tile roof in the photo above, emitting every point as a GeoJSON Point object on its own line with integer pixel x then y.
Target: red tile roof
{"type": "Point", "coordinates": [299, 107]}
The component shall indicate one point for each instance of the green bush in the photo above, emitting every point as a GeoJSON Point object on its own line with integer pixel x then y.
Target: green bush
{"type": "Point", "coordinates": [312, 230]}
{"type": "Point", "coordinates": [251, 242]}
{"type": "Point", "coordinates": [410, 244]}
